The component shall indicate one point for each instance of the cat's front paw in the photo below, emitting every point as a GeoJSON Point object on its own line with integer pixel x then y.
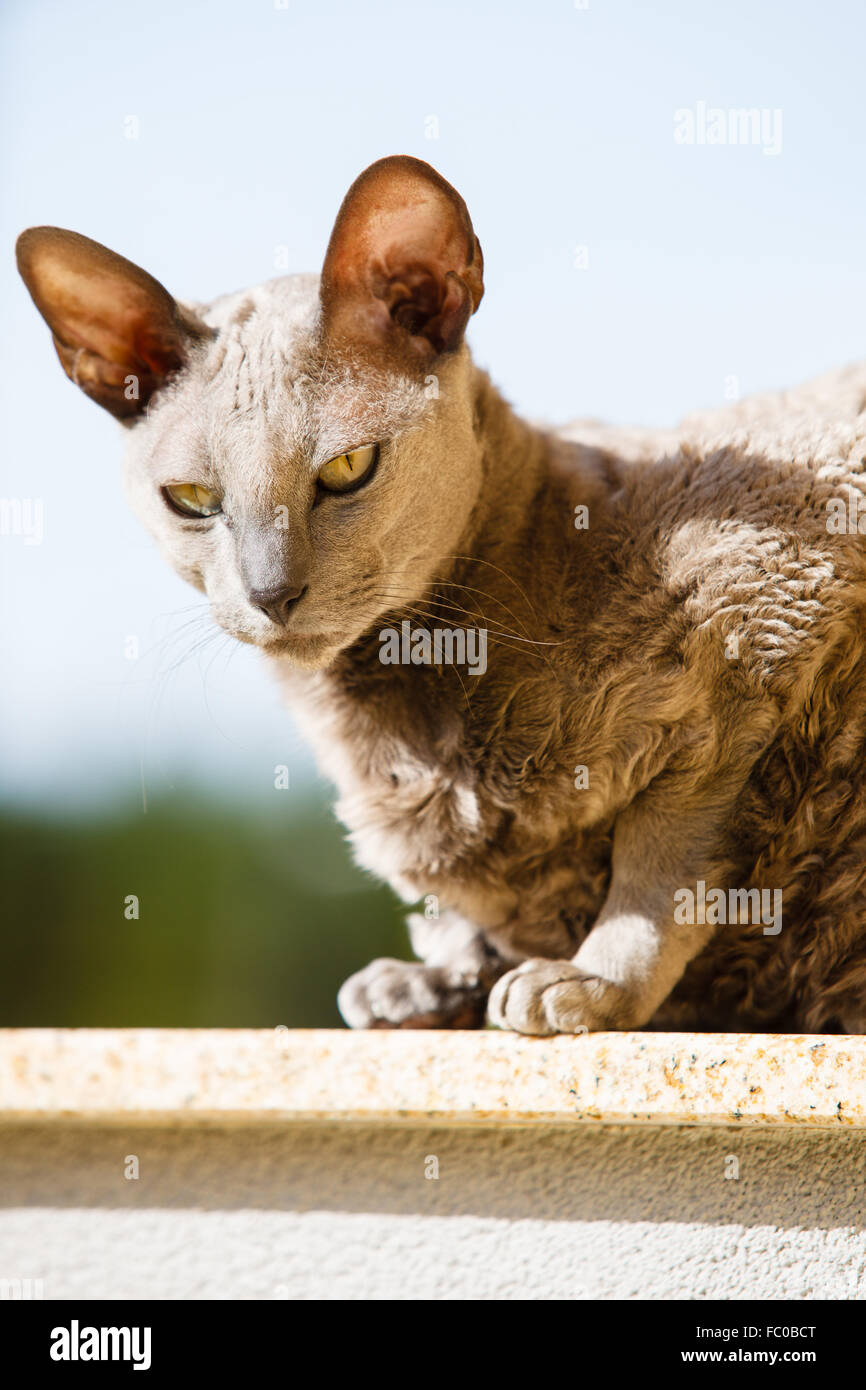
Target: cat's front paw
{"type": "Point", "coordinates": [554, 996]}
{"type": "Point", "coordinates": [406, 994]}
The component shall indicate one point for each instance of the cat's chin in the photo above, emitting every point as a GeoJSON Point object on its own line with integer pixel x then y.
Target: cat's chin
{"type": "Point", "coordinates": [310, 652]}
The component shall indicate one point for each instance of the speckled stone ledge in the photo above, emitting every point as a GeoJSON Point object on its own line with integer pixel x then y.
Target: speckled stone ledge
{"type": "Point", "coordinates": [174, 1075]}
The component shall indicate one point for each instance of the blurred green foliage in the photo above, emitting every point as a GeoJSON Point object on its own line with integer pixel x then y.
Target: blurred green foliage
{"type": "Point", "coordinates": [249, 916]}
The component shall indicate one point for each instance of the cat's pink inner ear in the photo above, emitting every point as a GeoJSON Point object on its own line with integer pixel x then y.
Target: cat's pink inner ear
{"type": "Point", "coordinates": [403, 267]}
{"type": "Point", "coordinates": [118, 332]}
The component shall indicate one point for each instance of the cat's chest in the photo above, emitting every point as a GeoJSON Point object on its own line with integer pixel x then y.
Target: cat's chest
{"type": "Point", "coordinates": [498, 853]}
{"type": "Point", "coordinates": [415, 798]}
{"type": "Point", "coordinates": [415, 819]}
{"type": "Point", "coordinates": [475, 813]}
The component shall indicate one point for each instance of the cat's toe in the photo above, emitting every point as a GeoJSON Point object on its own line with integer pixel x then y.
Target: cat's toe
{"type": "Point", "coordinates": [380, 993]}
{"type": "Point", "coordinates": [406, 994]}
{"type": "Point", "coordinates": [547, 996]}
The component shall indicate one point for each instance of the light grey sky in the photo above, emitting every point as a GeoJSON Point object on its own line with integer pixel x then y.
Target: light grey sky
{"type": "Point", "coordinates": [557, 123]}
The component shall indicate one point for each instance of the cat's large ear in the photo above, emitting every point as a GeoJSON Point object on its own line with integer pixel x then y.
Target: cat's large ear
{"type": "Point", "coordinates": [118, 332]}
{"type": "Point", "coordinates": [403, 269]}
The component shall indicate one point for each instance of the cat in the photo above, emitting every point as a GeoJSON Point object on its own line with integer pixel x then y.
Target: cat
{"type": "Point", "coordinates": [648, 809]}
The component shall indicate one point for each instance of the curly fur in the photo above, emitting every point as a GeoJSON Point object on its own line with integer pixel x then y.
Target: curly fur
{"type": "Point", "coordinates": [696, 648]}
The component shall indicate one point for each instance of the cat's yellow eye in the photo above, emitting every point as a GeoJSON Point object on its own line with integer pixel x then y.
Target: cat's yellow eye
{"type": "Point", "coordinates": [191, 499]}
{"type": "Point", "coordinates": [347, 471]}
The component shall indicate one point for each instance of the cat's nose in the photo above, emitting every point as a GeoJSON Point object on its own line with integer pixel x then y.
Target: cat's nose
{"type": "Point", "coordinates": [277, 602]}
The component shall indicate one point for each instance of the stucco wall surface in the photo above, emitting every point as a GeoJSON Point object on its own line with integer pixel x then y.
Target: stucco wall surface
{"type": "Point", "coordinates": [346, 1210]}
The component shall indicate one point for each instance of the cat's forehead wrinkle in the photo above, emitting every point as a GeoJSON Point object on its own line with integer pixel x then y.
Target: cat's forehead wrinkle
{"type": "Point", "coordinates": [292, 299]}
{"type": "Point", "coordinates": [309, 404]}
{"type": "Point", "coordinates": [244, 311]}
{"type": "Point", "coordinates": [263, 344]}
{"type": "Point", "coordinates": [248, 361]}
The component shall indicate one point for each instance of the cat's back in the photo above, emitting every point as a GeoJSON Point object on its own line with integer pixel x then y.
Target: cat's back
{"type": "Point", "coordinates": [750, 522]}
{"type": "Point", "coordinates": [770, 461]}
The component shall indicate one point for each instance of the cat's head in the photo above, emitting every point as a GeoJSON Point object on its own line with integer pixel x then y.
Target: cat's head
{"type": "Point", "coordinates": [303, 452]}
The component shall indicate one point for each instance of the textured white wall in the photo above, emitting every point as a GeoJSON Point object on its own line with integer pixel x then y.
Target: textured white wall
{"type": "Point", "coordinates": [345, 1211]}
